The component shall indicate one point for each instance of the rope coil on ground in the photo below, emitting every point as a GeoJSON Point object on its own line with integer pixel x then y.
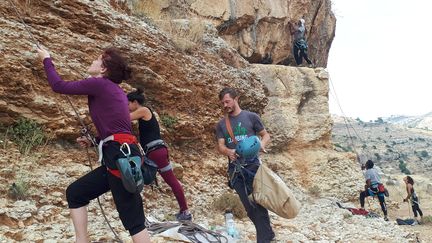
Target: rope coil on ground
{"type": "Point", "coordinates": [190, 230]}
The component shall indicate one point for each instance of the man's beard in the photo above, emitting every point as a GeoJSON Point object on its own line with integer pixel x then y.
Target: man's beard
{"type": "Point", "coordinates": [229, 110]}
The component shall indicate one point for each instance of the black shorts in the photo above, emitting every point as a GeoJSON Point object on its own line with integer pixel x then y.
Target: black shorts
{"type": "Point", "coordinates": [98, 181]}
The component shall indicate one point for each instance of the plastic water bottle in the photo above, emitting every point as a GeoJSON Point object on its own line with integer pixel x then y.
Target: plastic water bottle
{"type": "Point", "coordinates": [229, 224]}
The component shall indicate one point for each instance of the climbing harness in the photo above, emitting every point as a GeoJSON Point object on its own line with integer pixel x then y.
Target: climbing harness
{"type": "Point", "coordinates": [84, 130]}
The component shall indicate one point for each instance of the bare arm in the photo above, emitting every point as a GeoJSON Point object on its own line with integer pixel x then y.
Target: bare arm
{"type": "Point", "coordinates": [142, 112]}
{"type": "Point", "coordinates": [265, 139]}
{"type": "Point", "coordinates": [223, 149]}
{"type": "Point", "coordinates": [409, 189]}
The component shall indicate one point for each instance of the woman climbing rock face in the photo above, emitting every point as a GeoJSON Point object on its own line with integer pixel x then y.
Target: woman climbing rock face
{"type": "Point", "coordinates": [156, 149]}
{"type": "Point", "coordinates": [104, 94]}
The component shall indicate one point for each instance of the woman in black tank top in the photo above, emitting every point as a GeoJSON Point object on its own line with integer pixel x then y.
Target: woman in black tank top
{"type": "Point", "coordinates": [148, 129]}
{"type": "Point", "coordinates": [150, 140]}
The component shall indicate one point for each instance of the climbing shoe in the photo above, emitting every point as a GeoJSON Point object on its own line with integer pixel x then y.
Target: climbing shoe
{"type": "Point", "coordinates": [183, 216]}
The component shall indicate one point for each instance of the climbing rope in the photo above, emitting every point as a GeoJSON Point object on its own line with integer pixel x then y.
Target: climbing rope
{"type": "Point", "coordinates": [347, 123]}
{"type": "Point", "coordinates": [157, 228]}
{"type": "Point", "coordinates": [190, 230]}
{"type": "Point", "coordinates": [84, 130]}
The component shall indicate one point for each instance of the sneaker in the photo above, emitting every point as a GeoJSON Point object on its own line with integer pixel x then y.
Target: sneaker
{"type": "Point", "coordinates": [385, 218]}
{"type": "Point", "coordinates": [183, 216]}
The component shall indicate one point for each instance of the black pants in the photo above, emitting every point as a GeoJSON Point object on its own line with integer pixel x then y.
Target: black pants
{"type": "Point", "coordinates": [381, 199]}
{"type": "Point", "coordinates": [416, 207]}
{"type": "Point", "coordinates": [257, 213]}
{"type": "Point", "coordinates": [299, 54]}
{"type": "Point", "coordinates": [98, 181]}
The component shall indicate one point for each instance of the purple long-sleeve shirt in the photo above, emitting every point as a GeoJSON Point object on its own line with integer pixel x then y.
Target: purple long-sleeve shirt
{"type": "Point", "coordinates": [107, 102]}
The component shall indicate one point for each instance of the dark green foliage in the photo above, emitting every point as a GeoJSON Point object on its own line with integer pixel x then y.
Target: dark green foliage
{"type": "Point", "coordinates": [403, 168]}
{"type": "Point", "coordinates": [27, 134]}
{"type": "Point", "coordinates": [378, 157]}
{"type": "Point", "coordinates": [168, 121]}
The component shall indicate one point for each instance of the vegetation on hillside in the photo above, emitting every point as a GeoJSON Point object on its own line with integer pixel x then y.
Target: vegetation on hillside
{"type": "Point", "coordinates": [390, 146]}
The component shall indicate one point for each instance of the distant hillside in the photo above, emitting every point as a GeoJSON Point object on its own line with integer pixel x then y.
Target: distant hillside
{"type": "Point", "coordinates": [421, 122]}
{"type": "Point", "coordinates": [393, 143]}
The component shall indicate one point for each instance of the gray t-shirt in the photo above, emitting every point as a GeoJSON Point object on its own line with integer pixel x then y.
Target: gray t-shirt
{"type": "Point", "coordinates": [373, 176]}
{"type": "Point", "coordinates": [244, 125]}
{"type": "Point", "coordinates": [299, 33]}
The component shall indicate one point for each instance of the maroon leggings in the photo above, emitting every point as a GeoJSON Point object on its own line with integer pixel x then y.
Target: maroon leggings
{"type": "Point", "coordinates": [160, 157]}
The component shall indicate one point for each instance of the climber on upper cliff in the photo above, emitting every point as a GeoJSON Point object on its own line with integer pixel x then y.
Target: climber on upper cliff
{"type": "Point", "coordinates": [237, 126]}
{"type": "Point", "coordinates": [298, 31]}
{"type": "Point", "coordinates": [155, 148]}
{"type": "Point", "coordinates": [373, 187]}
{"type": "Point", "coordinates": [108, 106]}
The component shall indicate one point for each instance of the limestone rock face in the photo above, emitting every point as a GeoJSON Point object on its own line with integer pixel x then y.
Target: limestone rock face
{"type": "Point", "coordinates": [299, 122]}
{"type": "Point", "coordinates": [184, 87]}
{"type": "Point", "coordinates": [297, 112]}
{"type": "Point", "coordinates": [257, 29]}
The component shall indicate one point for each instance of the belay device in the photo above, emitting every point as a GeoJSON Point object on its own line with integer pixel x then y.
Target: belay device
{"type": "Point", "coordinates": [130, 170]}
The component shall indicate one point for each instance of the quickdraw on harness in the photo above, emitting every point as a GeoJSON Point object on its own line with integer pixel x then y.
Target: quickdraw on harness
{"type": "Point", "coordinates": [84, 129]}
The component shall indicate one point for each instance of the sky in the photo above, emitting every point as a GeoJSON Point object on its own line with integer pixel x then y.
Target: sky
{"type": "Point", "coordinates": [380, 61]}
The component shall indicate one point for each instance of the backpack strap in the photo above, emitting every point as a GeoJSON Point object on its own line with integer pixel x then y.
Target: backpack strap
{"type": "Point", "coordinates": [229, 129]}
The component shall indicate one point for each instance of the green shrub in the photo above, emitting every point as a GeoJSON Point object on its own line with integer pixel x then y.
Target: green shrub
{"type": "Point", "coordinates": [5, 138]}
{"type": "Point", "coordinates": [427, 219]}
{"type": "Point", "coordinates": [168, 121]}
{"type": "Point", "coordinates": [19, 190]}
{"type": "Point", "coordinates": [314, 191]}
{"type": "Point", "coordinates": [378, 157]}
{"type": "Point", "coordinates": [27, 134]}
{"type": "Point", "coordinates": [379, 120]}
{"type": "Point", "coordinates": [230, 201]}
{"type": "Point", "coordinates": [403, 168]}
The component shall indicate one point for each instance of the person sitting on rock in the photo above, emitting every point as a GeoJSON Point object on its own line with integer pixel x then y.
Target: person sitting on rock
{"type": "Point", "coordinates": [415, 204]}
{"type": "Point", "coordinates": [300, 46]}
{"type": "Point", "coordinates": [373, 180]}
{"type": "Point", "coordinates": [155, 149]}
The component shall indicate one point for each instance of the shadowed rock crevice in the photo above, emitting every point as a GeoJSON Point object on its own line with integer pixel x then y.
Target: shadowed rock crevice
{"type": "Point", "coordinates": [304, 99]}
